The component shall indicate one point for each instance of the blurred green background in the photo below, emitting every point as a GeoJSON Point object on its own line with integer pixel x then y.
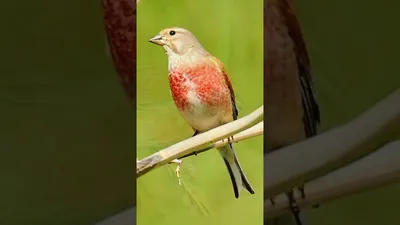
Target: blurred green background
{"type": "Point", "coordinates": [66, 125]}
{"type": "Point", "coordinates": [354, 47]}
{"type": "Point", "coordinates": [233, 32]}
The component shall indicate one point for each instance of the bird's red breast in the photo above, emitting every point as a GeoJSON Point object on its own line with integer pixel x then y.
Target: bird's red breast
{"type": "Point", "coordinates": [207, 82]}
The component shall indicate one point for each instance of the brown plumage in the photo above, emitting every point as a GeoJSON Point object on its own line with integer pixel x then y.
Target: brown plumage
{"type": "Point", "coordinates": [120, 27]}
{"type": "Point", "coordinates": [291, 112]}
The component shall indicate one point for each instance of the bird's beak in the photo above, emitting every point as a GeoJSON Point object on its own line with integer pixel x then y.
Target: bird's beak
{"type": "Point", "coordinates": [158, 40]}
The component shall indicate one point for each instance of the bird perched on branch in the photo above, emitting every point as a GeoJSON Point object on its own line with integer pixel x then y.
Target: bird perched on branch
{"type": "Point", "coordinates": [202, 92]}
{"type": "Point", "coordinates": [291, 112]}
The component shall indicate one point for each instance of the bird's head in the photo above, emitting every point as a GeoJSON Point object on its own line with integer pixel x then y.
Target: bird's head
{"type": "Point", "coordinates": [177, 41]}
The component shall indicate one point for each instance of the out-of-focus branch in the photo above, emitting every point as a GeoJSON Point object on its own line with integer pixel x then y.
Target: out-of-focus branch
{"type": "Point", "coordinates": [299, 163]}
{"type": "Point", "coordinates": [199, 142]}
{"type": "Point", "coordinates": [377, 169]}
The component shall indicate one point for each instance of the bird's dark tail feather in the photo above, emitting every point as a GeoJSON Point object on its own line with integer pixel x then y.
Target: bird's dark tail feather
{"type": "Point", "coordinates": [235, 171]}
{"type": "Point", "coordinates": [245, 182]}
{"type": "Point", "coordinates": [233, 179]}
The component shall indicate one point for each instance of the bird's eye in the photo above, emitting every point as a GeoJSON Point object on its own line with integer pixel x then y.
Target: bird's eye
{"type": "Point", "coordinates": [172, 33]}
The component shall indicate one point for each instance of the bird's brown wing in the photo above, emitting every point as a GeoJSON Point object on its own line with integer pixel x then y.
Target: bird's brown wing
{"type": "Point", "coordinates": [310, 105]}
{"type": "Point", "coordinates": [235, 111]}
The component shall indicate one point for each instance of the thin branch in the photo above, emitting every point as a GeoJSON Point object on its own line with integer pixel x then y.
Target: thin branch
{"type": "Point", "coordinates": [299, 163]}
{"type": "Point", "coordinates": [254, 131]}
{"type": "Point", "coordinates": [377, 169]}
{"type": "Point", "coordinates": [198, 142]}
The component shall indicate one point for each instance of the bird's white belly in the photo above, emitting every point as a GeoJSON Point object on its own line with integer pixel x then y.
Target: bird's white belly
{"type": "Point", "coordinates": [200, 116]}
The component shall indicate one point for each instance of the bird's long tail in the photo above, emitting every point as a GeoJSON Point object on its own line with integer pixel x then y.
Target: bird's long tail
{"type": "Point", "coordinates": [238, 178]}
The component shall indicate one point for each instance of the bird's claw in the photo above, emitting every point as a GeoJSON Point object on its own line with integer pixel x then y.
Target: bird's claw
{"type": "Point", "coordinates": [177, 171]}
{"type": "Point", "coordinates": [303, 196]}
{"type": "Point", "coordinates": [302, 193]}
{"type": "Point", "coordinates": [230, 140]}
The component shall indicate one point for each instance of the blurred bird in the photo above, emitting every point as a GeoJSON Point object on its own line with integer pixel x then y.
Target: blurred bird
{"type": "Point", "coordinates": [202, 92]}
{"type": "Point", "coordinates": [291, 113]}
{"type": "Point", "coordinates": [120, 27]}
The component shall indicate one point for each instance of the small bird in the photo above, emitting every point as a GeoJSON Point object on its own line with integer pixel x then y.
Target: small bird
{"type": "Point", "coordinates": [202, 92]}
{"type": "Point", "coordinates": [292, 112]}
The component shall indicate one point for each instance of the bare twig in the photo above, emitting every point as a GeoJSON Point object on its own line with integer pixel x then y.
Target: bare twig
{"type": "Point", "coordinates": [377, 169]}
{"type": "Point", "coordinates": [297, 164]}
{"type": "Point", "coordinates": [201, 141]}
{"type": "Point", "coordinates": [254, 131]}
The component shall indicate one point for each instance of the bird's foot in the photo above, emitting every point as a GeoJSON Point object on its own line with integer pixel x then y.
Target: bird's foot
{"type": "Point", "coordinates": [178, 171]}
{"type": "Point", "coordinates": [303, 196]}
{"type": "Point", "coordinates": [195, 133]}
{"type": "Point", "coordinates": [293, 207]}
{"type": "Point", "coordinates": [230, 140]}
